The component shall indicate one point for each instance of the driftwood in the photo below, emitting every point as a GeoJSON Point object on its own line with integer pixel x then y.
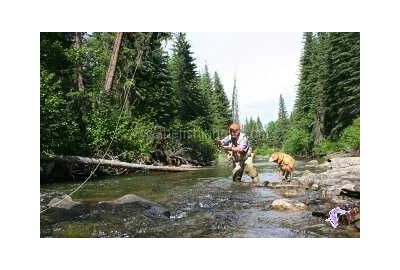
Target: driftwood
{"type": "Point", "coordinates": [115, 163]}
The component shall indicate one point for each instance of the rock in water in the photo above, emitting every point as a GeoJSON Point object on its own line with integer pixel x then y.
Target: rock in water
{"type": "Point", "coordinates": [314, 187]}
{"type": "Point", "coordinates": [65, 202]}
{"type": "Point", "coordinates": [151, 209]}
{"type": "Point", "coordinates": [129, 198]}
{"type": "Point", "coordinates": [286, 204]}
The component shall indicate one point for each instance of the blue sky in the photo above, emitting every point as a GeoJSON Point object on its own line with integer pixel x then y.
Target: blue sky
{"type": "Point", "coordinates": [265, 64]}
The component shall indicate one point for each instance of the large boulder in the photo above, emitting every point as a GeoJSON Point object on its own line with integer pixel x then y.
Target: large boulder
{"type": "Point", "coordinates": [342, 178]}
{"type": "Point", "coordinates": [310, 178]}
{"type": "Point", "coordinates": [344, 162]}
{"type": "Point", "coordinates": [345, 176]}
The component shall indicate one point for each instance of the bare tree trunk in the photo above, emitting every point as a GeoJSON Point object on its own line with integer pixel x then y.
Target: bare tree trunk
{"type": "Point", "coordinates": [79, 78]}
{"type": "Point", "coordinates": [113, 62]}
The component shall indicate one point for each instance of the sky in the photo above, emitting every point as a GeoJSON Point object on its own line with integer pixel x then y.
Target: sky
{"type": "Point", "coordinates": [265, 64]}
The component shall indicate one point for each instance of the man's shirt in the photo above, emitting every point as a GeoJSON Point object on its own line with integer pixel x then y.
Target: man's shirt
{"type": "Point", "coordinates": [241, 141]}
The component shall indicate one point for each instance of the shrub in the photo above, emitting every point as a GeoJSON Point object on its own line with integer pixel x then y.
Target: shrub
{"type": "Point", "coordinates": [132, 138]}
{"type": "Point", "coordinates": [349, 139]}
{"type": "Point", "coordinates": [325, 147]}
{"type": "Point", "coordinates": [200, 144]}
{"type": "Point", "coordinates": [297, 141]}
{"type": "Point", "coordinates": [263, 150]}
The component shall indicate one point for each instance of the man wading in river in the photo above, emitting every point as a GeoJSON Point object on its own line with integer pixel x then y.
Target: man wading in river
{"type": "Point", "coordinates": [242, 159]}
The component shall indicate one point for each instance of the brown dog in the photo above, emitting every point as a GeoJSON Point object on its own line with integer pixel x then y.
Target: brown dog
{"type": "Point", "coordinates": [285, 163]}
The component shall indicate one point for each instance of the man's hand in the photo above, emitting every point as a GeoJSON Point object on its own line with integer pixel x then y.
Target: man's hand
{"type": "Point", "coordinates": [218, 141]}
{"type": "Point", "coordinates": [237, 148]}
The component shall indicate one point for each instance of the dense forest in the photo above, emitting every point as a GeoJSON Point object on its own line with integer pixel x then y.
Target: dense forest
{"type": "Point", "coordinates": [326, 115]}
{"type": "Point", "coordinates": [163, 103]}
{"type": "Point", "coordinates": [157, 103]}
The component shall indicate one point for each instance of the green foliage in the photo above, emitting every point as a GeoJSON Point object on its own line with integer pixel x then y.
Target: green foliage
{"type": "Point", "coordinates": [325, 147]}
{"type": "Point", "coordinates": [254, 131]}
{"type": "Point", "coordinates": [272, 136]}
{"type": "Point", "coordinates": [54, 59]}
{"type": "Point", "coordinates": [264, 150]}
{"type": "Point", "coordinates": [200, 143]}
{"type": "Point", "coordinates": [297, 141]}
{"type": "Point", "coordinates": [276, 131]}
{"type": "Point", "coordinates": [223, 113]}
{"type": "Point", "coordinates": [328, 96]}
{"type": "Point", "coordinates": [130, 140]}
{"type": "Point", "coordinates": [159, 91]}
{"type": "Point", "coordinates": [185, 81]}
{"type": "Point", "coordinates": [343, 82]}
{"type": "Point", "coordinates": [282, 115]}
{"type": "Point", "coordinates": [209, 111]}
{"type": "Point", "coordinates": [349, 139]}
{"type": "Point", "coordinates": [302, 104]}
{"type": "Point", "coordinates": [58, 130]}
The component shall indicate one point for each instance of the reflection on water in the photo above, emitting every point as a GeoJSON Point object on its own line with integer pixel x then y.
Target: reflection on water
{"type": "Point", "coordinates": [203, 203]}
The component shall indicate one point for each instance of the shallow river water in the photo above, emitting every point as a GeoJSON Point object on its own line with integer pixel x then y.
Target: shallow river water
{"type": "Point", "coordinates": [204, 203]}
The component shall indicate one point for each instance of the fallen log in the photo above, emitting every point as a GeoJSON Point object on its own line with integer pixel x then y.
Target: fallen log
{"type": "Point", "coordinates": [115, 163]}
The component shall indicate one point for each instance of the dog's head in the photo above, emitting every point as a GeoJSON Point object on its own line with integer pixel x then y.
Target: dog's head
{"type": "Point", "coordinates": [275, 157]}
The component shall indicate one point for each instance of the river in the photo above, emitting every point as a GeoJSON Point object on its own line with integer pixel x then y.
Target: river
{"type": "Point", "coordinates": [204, 203]}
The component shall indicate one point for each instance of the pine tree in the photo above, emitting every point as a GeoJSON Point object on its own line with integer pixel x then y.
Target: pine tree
{"type": "Point", "coordinates": [209, 110]}
{"type": "Point", "coordinates": [282, 115]}
{"type": "Point", "coordinates": [303, 103]}
{"type": "Point", "coordinates": [260, 128]}
{"type": "Point", "coordinates": [282, 122]}
{"type": "Point", "coordinates": [159, 101]}
{"type": "Point", "coordinates": [272, 136]}
{"type": "Point", "coordinates": [184, 80]}
{"type": "Point", "coordinates": [328, 96]}
{"type": "Point", "coordinates": [343, 89]}
{"type": "Point", "coordinates": [319, 81]}
{"type": "Point", "coordinates": [221, 104]}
